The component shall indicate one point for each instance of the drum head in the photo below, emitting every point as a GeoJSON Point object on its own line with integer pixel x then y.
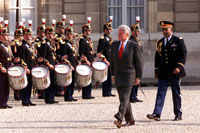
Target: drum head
{"type": "Point", "coordinates": [62, 68]}
{"type": "Point", "coordinates": [99, 65]}
{"type": "Point", "coordinates": [83, 70]}
{"type": "Point", "coordinates": [39, 71]}
{"type": "Point", "coordinates": [16, 71]}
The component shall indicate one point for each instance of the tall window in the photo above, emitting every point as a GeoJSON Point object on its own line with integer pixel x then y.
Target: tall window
{"type": "Point", "coordinates": [125, 12]}
{"type": "Point", "coordinates": [22, 9]}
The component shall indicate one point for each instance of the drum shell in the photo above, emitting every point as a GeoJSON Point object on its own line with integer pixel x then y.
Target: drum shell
{"type": "Point", "coordinates": [41, 83]}
{"type": "Point", "coordinates": [18, 82]}
{"type": "Point", "coordinates": [100, 75]}
{"type": "Point", "coordinates": [63, 79]}
{"type": "Point", "coordinates": [83, 80]}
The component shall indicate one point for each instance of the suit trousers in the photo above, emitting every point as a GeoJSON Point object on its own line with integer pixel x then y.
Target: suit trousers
{"type": "Point", "coordinates": [161, 93]}
{"type": "Point", "coordinates": [125, 109]}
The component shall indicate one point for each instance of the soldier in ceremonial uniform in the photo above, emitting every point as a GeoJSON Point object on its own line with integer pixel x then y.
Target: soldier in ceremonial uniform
{"type": "Point", "coordinates": [135, 32]}
{"type": "Point", "coordinates": [22, 54]}
{"type": "Point", "coordinates": [170, 60]}
{"type": "Point", "coordinates": [5, 62]}
{"type": "Point", "coordinates": [60, 36]}
{"type": "Point", "coordinates": [86, 52]}
{"type": "Point", "coordinates": [69, 49]}
{"type": "Point", "coordinates": [44, 55]}
{"type": "Point", "coordinates": [104, 48]}
{"type": "Point", "coordinates": [30, 61]}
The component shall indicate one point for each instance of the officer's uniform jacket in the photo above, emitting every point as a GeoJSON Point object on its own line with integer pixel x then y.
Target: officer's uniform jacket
{"type": "Point", "coordinates": [169, 57]}
{"type": "Point", "coordinates": [104, 46]}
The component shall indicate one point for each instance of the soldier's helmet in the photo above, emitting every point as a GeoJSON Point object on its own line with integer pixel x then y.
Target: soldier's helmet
{"type": "Point", "coordinates": [19, 32]}
{"type": "Point", "coordinates": [41, 28]}
{"type": "Point", "coordinates": [4, 31]}
{"type": "Point", "coordinates": [107, 25]}
{"type": "Point", "coordinates": [49, 30]}
{"type": "Point", "coordinates": [135, 27]}
{"type": "Point", "coordinates": [69, 30]}
{"type": "Point", "coordinates": [60, 24]}
{"type": "Point", "coordinates": [28, 30]}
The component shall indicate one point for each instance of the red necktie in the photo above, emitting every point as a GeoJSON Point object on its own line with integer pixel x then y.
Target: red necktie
{"type": "Point", "coordinates": [121, 50]}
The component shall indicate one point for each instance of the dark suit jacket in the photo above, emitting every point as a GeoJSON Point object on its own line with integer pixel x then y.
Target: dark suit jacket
{"type": "Point", "coordinates": [169, 57]}
{"type": "Point", "coordinates": [129, 66]}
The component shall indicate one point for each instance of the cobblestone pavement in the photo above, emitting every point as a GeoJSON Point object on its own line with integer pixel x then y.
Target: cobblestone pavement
{"type": "Point", "coordinates": [96, 115]}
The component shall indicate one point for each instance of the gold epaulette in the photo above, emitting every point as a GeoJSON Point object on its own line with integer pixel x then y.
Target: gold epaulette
{"type": "Point", "coordinates": [81, 37]}
{"type": "Point", "coordinates": [102, 37]}
{"type": "Point", "coordinates": [180, 37]}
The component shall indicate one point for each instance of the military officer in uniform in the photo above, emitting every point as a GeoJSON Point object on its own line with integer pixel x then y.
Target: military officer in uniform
{"type": "Point", "coordinates": [86, 52]}
{"type": "Point", "coordinates": [44, 53]}
{"type": "Point", "coordinates": [69, 50]}
{"type": "Point", "coordinates": [170, 60]}
{"type": "Point", "coordinates": [135, 32]}
{"type": "Point", "coordinates": [104, 48]}
{"type": "Point", "coordinates": [5, 62]}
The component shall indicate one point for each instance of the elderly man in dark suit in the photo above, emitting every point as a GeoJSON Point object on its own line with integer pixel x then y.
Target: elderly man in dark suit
{"type": "Point", "coordinates": [126, 67]}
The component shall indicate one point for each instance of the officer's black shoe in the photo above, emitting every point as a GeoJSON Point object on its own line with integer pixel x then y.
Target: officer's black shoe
{"type": "Point", "coordinates": [32, 104]}
{"type": "Point", "coordinates": [178, 118]}
{"type": "Point", "coordinates": [25, 104]}
{"type": "Point", "coordinates": [156, 117]}
{"type": "Point", "coordinates": [112, 95]}
{"type": "Point", "coordinates": [68, 100]}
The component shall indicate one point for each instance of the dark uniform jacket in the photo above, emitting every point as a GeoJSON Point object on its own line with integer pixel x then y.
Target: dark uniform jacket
{"type": "Point", "coordinates": [86, 48]}
{"type": "Point", "coordinates": [129, 66]}
{"type": "Point", "coordinates": [104, 46]}
{"type": "Point", "coordinates": [4, 56]}
{"type": "Point", "coordinates": [22, 52]}
{"type": "Point", "coordinates": [69, 49]}
{"type": "Point", "coordinates": [169, 57]}
{"type": "Point", "coordinates": [43, 50]}
{"type": "Point", "coordinates": [137, 41]}
{"type": "Point", "coordinates": [29, 59]}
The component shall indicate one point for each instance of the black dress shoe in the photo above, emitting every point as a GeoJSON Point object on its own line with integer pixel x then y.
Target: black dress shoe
{"type": "Point", "coordinates": [138, 100]}
{"type": "Point", "coordinates": [88, 97]}
{"type": "Point", "coordinates": [32, 104]}
{"type": "Point", "coordinates": [118, 123]}
{"type": "Point", "coordinates": [9, 106]}
{"type": "Point", "coordinates": [111, 95]}
{"type": "Point", "coordinates": [49, 102]}
{"type": "Point", "coordinates": [41, 97]}
{"type": "Point", "coordinates": [178, 118]}
{"type": "Point", "coordinates": [55, 101]}
{"type": "Point", "coordinates": [68, 100]}
{"type": "Point", "coordinates": [156, 117]}
{"type": "Point", "coordinates": [130, 123]}
{"type": "Point", "coordinates": [73, 99]}
{"type": "Point", "coordinates": [25, 104]}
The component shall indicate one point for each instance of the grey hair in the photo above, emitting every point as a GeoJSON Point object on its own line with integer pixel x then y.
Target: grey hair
{"type": "Point", "coordinates": [125, 28]}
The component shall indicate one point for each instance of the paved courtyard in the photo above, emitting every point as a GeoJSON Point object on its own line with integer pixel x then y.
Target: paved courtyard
{"type": "Point", "coordinates": [96, 115]}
